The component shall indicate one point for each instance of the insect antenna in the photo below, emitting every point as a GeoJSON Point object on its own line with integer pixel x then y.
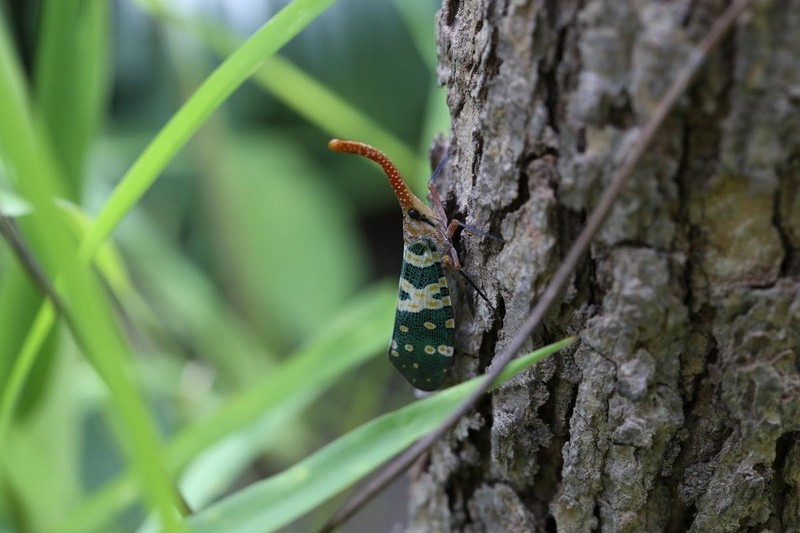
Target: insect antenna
{"type": "Point", "coordinates": [477, 231]}
{"type": "Point", "coordinates": [439, 168]}
{"type": "Point", "coordinates": [437, 201]}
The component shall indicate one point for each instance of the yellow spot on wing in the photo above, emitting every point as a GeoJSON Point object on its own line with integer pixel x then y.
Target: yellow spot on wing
{"type": "Point", "coordinates": [426, 297]}
{"type": "Point", "coordinates": [446, 350]}
{"type": "Point", "coordinates": [430, 350]}
{"type": "Point", "coordinates": [450, 323]}
{"type": "Point", "coordinates": [416, 365]}
{"type": "Point", "coordinates": [403, 328]}
{"type": "Point", "coordinates": [429, 325]}
{"type": "Point", "coordinates": [409, 348]}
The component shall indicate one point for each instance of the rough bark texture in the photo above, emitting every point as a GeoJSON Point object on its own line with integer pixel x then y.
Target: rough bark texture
{"type": "Point", "coordinates": [680, 408]}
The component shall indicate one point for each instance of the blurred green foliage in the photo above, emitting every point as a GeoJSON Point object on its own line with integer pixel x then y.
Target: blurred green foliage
{"type": "Point", "coordinates": [183, 323]}
{"type": "Point", "coordinates": [240, 287]}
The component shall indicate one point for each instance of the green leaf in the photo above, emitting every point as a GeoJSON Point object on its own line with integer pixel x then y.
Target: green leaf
{"type": "Point", "coordinates": [275, 502]}
{"type": "Point", "coordinates": [71, 75]}
{"type": "Point", "coordinates": [294, 247]}
{"type": "Point", "coordinates": [357, 333]}
{"type": "Point", "coordinates": [239, 66]}
{"type": "Point", "coordinates": [209, 96]}
{"type": "Point", "coordinates": [108, 259]}
{"type": "Point", "coordinates": [193, 311]}
{"type": "Point", "coordinates": [298, 90]}
{"type": "Point", "coordinates": [12, 205]}
{"type": "Point", "coordinates": [39, 181]}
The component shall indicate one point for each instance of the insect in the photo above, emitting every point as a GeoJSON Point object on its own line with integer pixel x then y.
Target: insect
{"type": "Point", "coordinates": [422, 341]}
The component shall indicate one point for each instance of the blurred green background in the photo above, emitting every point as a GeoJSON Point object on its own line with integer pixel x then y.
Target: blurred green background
{"type": "Point", "coordinates": [254, 242]}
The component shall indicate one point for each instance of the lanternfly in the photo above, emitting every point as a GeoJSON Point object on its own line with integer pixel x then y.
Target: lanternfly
{"type": "Point", "coordinates": [422, 341]}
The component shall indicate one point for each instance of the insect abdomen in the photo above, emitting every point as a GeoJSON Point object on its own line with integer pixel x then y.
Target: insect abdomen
{"type": "Point", "coordinates": [422, 343]}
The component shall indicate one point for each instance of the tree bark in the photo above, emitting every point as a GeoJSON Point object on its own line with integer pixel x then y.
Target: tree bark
{"type": "Point", "coordinates": [679, 407]}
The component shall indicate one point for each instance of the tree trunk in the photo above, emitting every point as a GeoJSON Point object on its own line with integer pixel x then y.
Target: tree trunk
{"type": "Point", "coordinates": [679, 407]}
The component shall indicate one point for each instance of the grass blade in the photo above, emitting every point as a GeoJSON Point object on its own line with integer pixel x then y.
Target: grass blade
{"type": "Point", "coordinates": [297, 89]}
{"type": "Point", "coordinates": [72, 66]}
{"type": "Point", "coordinates": [85, 305]}
{"type": "Point", "coordinates": [277, 501]}
{"type": "Point", "coordinates": [357, 334]}
{"type": "Point", "coordinates": [239, 66]}
{"type": "Point", "coordinates": [223, 81]}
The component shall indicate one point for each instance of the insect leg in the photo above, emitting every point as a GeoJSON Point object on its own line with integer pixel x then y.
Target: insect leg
{"type": "Point", "coordinates": [478, 290]}
{"type": "Point", "coordinates": [455, 224]}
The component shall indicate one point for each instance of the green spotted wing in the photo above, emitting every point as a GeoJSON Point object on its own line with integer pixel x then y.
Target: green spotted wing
{"type": "Point", "coordinates": [422, 343]}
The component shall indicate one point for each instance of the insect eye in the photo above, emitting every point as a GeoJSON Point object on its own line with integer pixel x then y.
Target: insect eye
{"type": "Point", "coordinates": [414, 214]}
